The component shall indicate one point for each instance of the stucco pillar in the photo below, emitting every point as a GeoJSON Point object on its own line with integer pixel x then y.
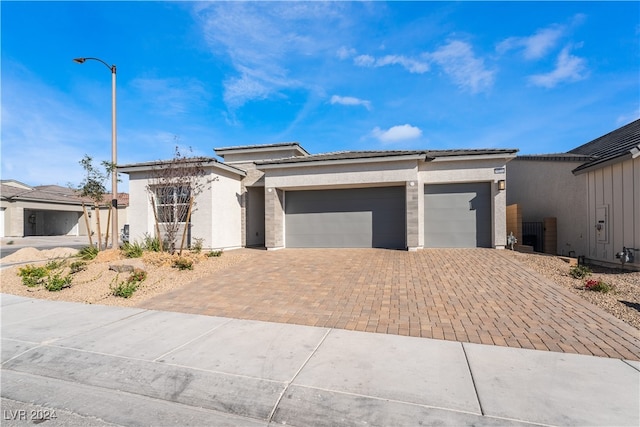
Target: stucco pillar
{"type": "Point", "coordinates": [412, 215]}
{"type": "Point", "coordinates": [499, 211]}
{"type": "Point", "coordinates": [274, 218]}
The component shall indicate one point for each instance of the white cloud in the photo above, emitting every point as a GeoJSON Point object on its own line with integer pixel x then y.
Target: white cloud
{"type": "Point", "coordinates": [409, 64]}
{"type": "Point", "coordinates": [396, 133]}
{"type": "Point", "coordinates": [569, 68]}
{"type": "Point", "coordinates": [263, 41]}
{"type": "Point", "coordinates": [348, 100]}
{"type": "Point", "coordinates": [344, 52]}
{"type": "Point", "coordinates": [459, 62]}
{"type": "Point", "coordinates": [535, 46]}
{"type": "Point", "coordinates": [170, 96]}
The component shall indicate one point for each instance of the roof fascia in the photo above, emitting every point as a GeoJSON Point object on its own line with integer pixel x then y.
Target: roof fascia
{"type": "Point", "coordinates": [339, 161]}
{"type": "Point", "coordinates": [597, 165]}
{"type": "Point", "coordinates": [240, 150]}
{"type": "Point", "coordinates": [151, 166]}
{"type": "Point", "coordinates": [497, 156]}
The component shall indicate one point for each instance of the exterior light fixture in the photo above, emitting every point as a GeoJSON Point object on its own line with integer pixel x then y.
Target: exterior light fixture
{"type": "Point", "coordinates": [502, 185]}
{"type": "Point", "coordinates": [114, 158]}
{"type": "Point", "coordinates": [411, 183]}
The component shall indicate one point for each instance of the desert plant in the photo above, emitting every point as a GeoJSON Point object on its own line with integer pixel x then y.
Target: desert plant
{"type": "Point", "coordinates": [214, 254]}
{"type": "Point", "coordinates": [32, 276]}
{"type": "Point", "coordinates": [580, 271]}
{"type": "Point", "coordinates": [124, 289]}
{"type": "Point", "coordinates": [56, 282]}
{"type": "Point", "coordinates": [78, 266]}
{"type": "Point", "coordinates": [132, 250]}
{"type": "Point", "coordinates": [88, 253]}
{"type": "Point", "coordinates": [54, 265]}
{"type": "Point", "coordinates": [150, 243]}
{"type": "Point", "coordinates": [183, 264]}
{"type": "Point", "coordinates": [597, 286]}
{"type": "Point", "coordinates": [196, 246]}
{"type": "Point", "coordinates": [137, 275]}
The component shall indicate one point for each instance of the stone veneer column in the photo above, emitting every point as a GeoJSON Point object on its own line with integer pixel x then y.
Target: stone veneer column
{"type": "Point", "coordinates": [274, 218]}
{"type": "Point", "coordinates": [412, 215]}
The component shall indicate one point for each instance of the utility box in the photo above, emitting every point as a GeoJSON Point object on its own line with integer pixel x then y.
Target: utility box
{"type": "Point", "coordinates": [602, 224]}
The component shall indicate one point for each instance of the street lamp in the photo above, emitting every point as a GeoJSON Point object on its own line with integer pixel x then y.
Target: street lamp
{"type": "Point", "coordinates": [114, 173]}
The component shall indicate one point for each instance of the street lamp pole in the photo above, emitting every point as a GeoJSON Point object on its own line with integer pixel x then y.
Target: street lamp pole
{"type": "Point", "coordinates": [114, 172]}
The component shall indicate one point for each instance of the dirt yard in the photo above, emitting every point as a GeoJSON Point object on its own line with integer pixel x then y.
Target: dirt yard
{"type": "Point", "coordinates": [93, 285]}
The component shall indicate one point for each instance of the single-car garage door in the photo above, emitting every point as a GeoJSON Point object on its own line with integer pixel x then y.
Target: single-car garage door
{"type": "Point", "coordinates": [457, 215]}
{"type": "Point", "coordinates": [345, 218]}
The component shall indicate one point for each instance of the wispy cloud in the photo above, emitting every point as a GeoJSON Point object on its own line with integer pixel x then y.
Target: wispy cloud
{"type": "Point", "coordinates": [410, 64]}
{"type": "Point", "coordinates": [460, 63]}
{"type": "Point", "coordinates": [569, 68]}
{"type": "Point", "coordinates": [349, 100]}
{"type": "Point", "coordinates": [170, 97]}
{"type": "Point", "coordinates": [262, 42]}
{"type": "Point", "coordinates": [396, 133]}
{"type": "Point", "coordinates": [535, 46]}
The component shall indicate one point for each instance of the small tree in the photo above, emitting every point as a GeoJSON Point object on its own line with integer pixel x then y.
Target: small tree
{"type": "Point", "coordinates": [173, 188]}
{"type": "Point", "coordinates": [93, 188]}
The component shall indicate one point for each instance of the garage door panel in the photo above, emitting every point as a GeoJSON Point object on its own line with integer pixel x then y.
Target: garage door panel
{"type": "Point", "coordinates": [365, 217]}
{"type": "Point", "coordinates": [457, 215]}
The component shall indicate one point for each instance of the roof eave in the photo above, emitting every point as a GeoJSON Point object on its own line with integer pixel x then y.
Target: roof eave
{"type": "Point", "coordinates": [496, 156]}
{"type": "Point", "coordinates": [145, 167]}
{"type": "Point", "coordinates": [323, 162]}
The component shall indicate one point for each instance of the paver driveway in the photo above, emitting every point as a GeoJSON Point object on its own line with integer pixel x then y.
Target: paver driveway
{"type": "Point", "coordinates": [469, 295]}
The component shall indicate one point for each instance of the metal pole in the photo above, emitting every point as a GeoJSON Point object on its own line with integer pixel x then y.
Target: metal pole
{"type": "Point", "coordinates": [114, 161]}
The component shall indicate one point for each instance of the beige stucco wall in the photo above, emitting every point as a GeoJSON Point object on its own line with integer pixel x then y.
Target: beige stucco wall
{"type": "Point", "coordinates": [216, 218]}
{"type": "Point", "coordinates": [60, 217]}
{"type": "Point", "coordinates": [549, 189]}
{"type": "Point", "coordinates": [616, 187]}
{"type": "Point", "coordinates": [368, 174]}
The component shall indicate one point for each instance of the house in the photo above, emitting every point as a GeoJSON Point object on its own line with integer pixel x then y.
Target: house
{"type": "Point", "coordinates": [49, 210]}
{"type": "Point", "coordinates": [279, 195]}
{"type": "Point", "coordinates": [592, 190]}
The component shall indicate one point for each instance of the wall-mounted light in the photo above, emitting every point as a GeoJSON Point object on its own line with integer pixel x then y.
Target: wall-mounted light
{"type": "Point", "coordinates": [502, 185]}
{"type": "Point", "coordinates": [411, 183]}
{"type": "Point", "coordinates": [269, 190]}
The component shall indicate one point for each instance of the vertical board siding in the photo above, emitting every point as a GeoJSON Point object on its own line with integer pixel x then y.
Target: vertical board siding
{"type": "Point", "coordinates": [618, 187]}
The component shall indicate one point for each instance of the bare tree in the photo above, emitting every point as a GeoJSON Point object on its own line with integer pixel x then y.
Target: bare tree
{"type": "Point", "coordinates": [93, 188]}
{"type": "Point", "coordinates": [173, 188]}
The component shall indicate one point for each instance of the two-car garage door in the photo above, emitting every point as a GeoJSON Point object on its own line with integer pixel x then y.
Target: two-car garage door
{"type": "Point", "coordinates": [346, 218]}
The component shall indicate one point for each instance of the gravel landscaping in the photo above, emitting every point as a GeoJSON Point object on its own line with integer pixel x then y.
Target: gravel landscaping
{"type": "Point", "coordinates": [94, 284]}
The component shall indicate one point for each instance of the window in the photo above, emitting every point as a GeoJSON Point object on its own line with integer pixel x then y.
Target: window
{"type": "Point", "coordinates": [172, 203]}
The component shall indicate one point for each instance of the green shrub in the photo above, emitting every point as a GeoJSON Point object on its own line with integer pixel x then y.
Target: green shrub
{"type": "Point", "coordinates": [32, 276]}
{"type": "Point", "coordinates": [151, 244]}
{"type": "Point", "coordinates": [183, 264]}
{"type": "Point", "coordinates": [78, 266]}
{"type": "Point", "coordinates": [137, 275]}
{"type": "Point", "coordinates": [196, 246]}
{"type": "Point", "coordinates": [124, 289]}
{"type": "Point", "coordinates": [580, 271]}
{"type": "Point", "coordinates": [56, 282]}
{"type": "Point", "coordinates": [132, 250]}
{"type": "Point", "coordinates": [54, 265]}
{"type": "Point", "coordinates": [597, 286]}
{"type": "Point", "coordinates": [214, 254]}
{"type": "Point", "coordinates": [88, 253]}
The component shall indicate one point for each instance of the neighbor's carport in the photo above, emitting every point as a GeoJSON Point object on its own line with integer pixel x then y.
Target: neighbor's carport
{"type": "Point", "coordinates": [346, 218]}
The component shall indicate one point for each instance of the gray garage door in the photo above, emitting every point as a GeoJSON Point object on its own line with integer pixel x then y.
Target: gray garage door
{"type": "Point", "coordinates": [457, 215]}
{"type": "Point", "coordinates": [346, 218]}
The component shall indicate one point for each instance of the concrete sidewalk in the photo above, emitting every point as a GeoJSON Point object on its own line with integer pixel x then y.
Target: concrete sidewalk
{"type": "Point", "coordinates": [99, 365]}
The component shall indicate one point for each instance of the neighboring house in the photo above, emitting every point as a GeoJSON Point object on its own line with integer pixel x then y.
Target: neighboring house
{"type": "Point", "coordinates": [48, 210]}
{"type": "Point", "coordinates": [278, 195]}
{"type": "Point", "coordinates": [593, 190]}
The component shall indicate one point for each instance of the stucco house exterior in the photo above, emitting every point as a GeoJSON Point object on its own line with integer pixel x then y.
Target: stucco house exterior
{"type": "Point", "coordinates": [49, 210]}
{"type": "Point", "coordinates": [593, 190]}
{"type": "Point", "coordinates": [279, 195]}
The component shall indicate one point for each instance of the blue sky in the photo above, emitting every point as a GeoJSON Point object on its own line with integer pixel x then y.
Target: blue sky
{"type": "Point", "coordinates": [542, 77]}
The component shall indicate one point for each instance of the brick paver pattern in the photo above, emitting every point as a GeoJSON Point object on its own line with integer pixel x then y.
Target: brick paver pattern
{"type": "Point", "coordinates": [466, 295]}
